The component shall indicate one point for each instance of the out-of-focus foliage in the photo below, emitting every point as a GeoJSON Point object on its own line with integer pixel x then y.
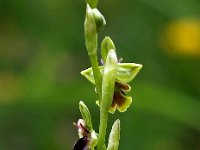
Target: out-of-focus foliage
{"type": "Point", "coordinates": [42, 52]}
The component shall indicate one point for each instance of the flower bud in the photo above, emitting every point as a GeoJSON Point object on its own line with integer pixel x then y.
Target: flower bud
{"type": "Point", "coordinates": [90, 32]}
{"type": "Point", "coordinates": [99, 20]}
{"type": "Point", "coordinates": [87, 137]}
{"type": "Point", "coordinates": [92, 3]}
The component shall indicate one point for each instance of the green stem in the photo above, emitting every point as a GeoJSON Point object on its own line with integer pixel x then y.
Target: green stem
{"type": "Point", "coordinates": [96, 72]}
{"type": "Point", "coordinates": [102, 129]}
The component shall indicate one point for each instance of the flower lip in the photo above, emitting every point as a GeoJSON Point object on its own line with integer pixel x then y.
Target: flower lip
{"type": "Point", "coordinates": [120, 100]}
{"type": "Point", "coordinates": [81, 144]}
{"type": "Point", "coordinates": [122, 86]}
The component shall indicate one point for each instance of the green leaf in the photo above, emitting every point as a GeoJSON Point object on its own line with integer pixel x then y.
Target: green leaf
{"type": "Point", "coordinates": [114, 137]}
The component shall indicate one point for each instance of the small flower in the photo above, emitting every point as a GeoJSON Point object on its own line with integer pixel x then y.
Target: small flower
{"type": "Point", "coordinates": [84, 135]}
{"type": "Point", "coordinates": [123, 74]}
{"type": "Point", "coordinates": [126, 72]}
{"type": "Point", "coordinates": [87, 136]}
{"type": "Point", "coordinates": [182, 37]}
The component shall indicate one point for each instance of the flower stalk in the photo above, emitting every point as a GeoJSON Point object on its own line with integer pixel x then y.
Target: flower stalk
{"type": "Point", "coordinates": [91, 38]}
{"type": "Point", "coordinates": [111, 84]}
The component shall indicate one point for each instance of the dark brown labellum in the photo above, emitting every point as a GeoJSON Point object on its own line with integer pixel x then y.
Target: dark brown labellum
{"type": "Point", "coordinates": [81, 144]}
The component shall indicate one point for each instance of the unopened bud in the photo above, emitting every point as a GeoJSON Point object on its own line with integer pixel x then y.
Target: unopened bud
{"type": "Point", "coordinates": [99, 20]}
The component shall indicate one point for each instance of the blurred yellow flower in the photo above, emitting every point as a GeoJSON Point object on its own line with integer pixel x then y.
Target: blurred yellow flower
{"type": "Point", "coordinates": [182, 37]}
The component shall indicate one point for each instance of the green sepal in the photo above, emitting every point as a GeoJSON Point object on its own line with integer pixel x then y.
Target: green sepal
{"type": "Point", "coordinates": [88, 74]}
{"type": "Point", "coordinates": [106, 45]}
{"type": "Point", "coordinates": [126, 72]}
{"type": "Point", "coordinates": [114, 136]}
{"type": "Point", "coordinates": [85, 115]}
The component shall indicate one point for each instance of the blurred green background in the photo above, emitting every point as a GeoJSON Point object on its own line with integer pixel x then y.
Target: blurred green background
{"type": "Point", "coordinates": [42, 52]}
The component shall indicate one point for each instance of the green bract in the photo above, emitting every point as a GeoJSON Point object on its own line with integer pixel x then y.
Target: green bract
{"type": "Point", "coordinates": [109, 79]}
{"type": "Point", "coordinates": [114, 137]}
{"type": "Point", "coordinates": [86, 115]}
{"type": "Point", "coordinates": [126, 72]}
{"type": "Point", "coordinates": [85, 127]}
{"type": "Point", "coordinates": [108, 87]}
